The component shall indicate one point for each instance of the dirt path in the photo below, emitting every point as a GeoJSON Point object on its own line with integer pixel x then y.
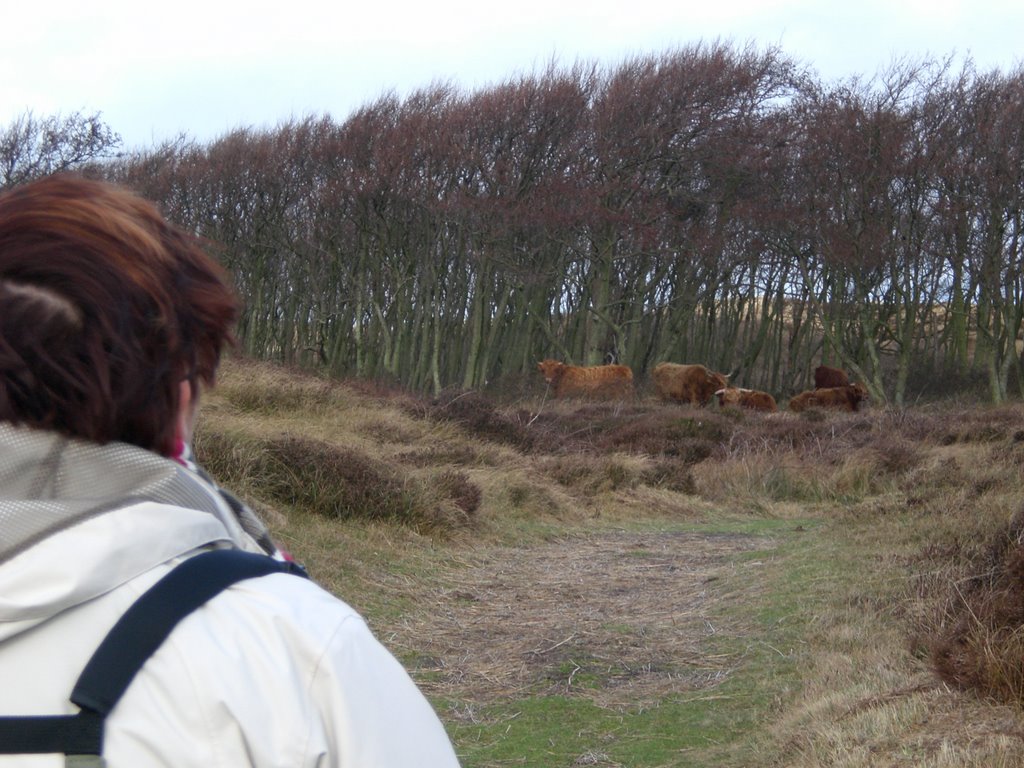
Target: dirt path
{"type": "Point", "coordinates": [618, 617]}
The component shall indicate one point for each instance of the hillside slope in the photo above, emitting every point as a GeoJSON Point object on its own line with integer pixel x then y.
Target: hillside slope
{"type": "Point", "coordinates": [640, 584]}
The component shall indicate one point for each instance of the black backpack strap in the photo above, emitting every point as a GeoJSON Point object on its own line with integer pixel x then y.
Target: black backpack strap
{"type": "Point", "coordinates": [134, 638]}
{"type": "Point", "coordinates": [141, 630]}
{"type": "Point", "coordinates": [80, 734]}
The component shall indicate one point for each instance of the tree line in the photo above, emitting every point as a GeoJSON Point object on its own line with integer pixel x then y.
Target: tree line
{"type": "Point", "coordinates": [713, 204]}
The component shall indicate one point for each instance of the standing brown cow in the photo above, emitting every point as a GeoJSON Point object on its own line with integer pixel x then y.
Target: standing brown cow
{"type": "Point", "coordinates": [846, 398]}
{"type": "Point", "coordinates": [825, 377]}
{"type": "Point", "coordinates": [746, 398]}
{"type": "Point", "coordinates": [599, 381]}
{"type": "Point", "coordinates": [692, 384]}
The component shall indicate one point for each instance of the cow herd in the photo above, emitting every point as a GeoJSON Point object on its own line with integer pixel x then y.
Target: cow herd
{"type": "Point", "coordinates": [697, 385]}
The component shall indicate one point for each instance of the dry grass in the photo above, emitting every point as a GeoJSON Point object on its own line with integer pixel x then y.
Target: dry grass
{"type": "Point", "coordinates": [640, 611]}
{"type": "Point", "coordinates": [287, 439]}
{"type": "Point", "coordinates": [978, 642]}
{"type": "Point", "coordinates": [550, 548]}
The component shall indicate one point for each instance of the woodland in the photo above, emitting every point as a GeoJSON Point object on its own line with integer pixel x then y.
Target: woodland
{"type": "Point", "coordinates": [713, 203]}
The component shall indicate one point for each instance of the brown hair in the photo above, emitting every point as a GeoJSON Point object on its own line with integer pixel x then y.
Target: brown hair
{"type": "Point", "coordinates": [105, 308]}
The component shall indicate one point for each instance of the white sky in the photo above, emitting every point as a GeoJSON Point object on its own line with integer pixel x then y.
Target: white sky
{"type": "Point", "coordinates": [204, 67]}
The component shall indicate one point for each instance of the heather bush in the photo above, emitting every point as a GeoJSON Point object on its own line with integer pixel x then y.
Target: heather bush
{"type": "Point", "coordinates": [336, 482]}
{"type": "Point", "coordinates": [591, 474]}
{"type": "Point", "coordinates": [333, 481]}
{"type": "Point", "coordinates": [980, 645]}
{"type": "Point", "coordinates": [459, 490]}
{"type": "Point", "coordinates": [479, 416]}
{"type": "Point", "coordinates": [672, 475]}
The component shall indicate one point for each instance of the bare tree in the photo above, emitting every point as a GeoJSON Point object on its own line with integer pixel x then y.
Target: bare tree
{"type": "Point", "coordinates": [31, 146]}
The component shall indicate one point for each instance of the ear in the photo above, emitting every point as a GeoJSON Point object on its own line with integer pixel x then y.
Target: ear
{"type": "Point", "coordinates": [186, 416]}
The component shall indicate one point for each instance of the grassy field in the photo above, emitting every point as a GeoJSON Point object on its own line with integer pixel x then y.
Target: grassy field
{"type": "Point", "coordinates": [647, 585]}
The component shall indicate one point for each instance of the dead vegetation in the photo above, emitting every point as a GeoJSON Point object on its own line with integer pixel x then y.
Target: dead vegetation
{"type": "Point", "coordinates": [979, 644]}
{"type": "Point", "coordinates": [617, 618]}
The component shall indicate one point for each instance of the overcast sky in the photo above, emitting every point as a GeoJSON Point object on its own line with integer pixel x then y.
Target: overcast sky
{"type": "Point", "coordinates": [204, 67]}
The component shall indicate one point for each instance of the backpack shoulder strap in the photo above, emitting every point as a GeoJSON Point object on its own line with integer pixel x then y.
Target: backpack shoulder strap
{"type": "Point", "coordinates": [148, 622]}
{"type": "Point", "coordinates": [133, 639]}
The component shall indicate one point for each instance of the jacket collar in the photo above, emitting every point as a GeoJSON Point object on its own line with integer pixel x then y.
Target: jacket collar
{"type": "Point", "coordinates": [49, 482]}
{"type": "Point", "coordinates": [78, 520]}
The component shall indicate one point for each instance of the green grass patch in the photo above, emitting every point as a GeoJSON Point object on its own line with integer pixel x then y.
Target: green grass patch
{"type": "Point", "coordinates": [561, 731]}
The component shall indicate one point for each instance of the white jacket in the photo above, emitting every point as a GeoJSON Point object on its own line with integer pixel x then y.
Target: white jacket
{"type": "Point", "coordinates": [272, 672]}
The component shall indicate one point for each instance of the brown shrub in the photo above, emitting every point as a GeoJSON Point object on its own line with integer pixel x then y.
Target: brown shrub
{"type": "Point", "coordinates": [590, 474]}
{"type": "Point", "coordinates": [896, 456]}
{"type": "Point", "coordinates": [575, 430]}
{"type": "Point", "coordinates": [941, 475]}
{"type": "Point", "coordinates": [689, 439]}
{"type": "Point", "coordinates": [981, 645]}
{"type": "Point", "coordinates": [391, 395]}
{"type": "Point", "coordinates": [949, 425]}
{"type": "Point", "coordinates": [672, 476]}
{"type": "Point", "coordinates": [335, 482]}
{"type": "Point", "coordinates": [657, 431]}
{"type": "Point", "coordinates": [465, 494]}
{"type": "Point", "coordinates": [382, 389]}
{"type": "Point", "coordinates": [479, 416]}
{"type": "Point", "coordinates": [827, 440]}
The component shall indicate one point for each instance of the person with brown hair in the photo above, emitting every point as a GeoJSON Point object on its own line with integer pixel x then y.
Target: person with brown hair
{"type": "Point", "coordinates": [111, 321]}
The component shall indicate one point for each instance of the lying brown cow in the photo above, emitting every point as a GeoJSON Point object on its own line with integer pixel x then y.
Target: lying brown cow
{"type": "Point", "coordinates": [825, 377]}
{"type": "Point", "coordinates": [846, 398]}
{"type": "Point", "coordinates": [600, 381]}
{"type": "Point", "coordinates": [692, 384]}
{"type": "Point", "coordinates": [746, 398]}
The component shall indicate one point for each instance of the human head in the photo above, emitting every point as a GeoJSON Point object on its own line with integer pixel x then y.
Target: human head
{"type": "Point", "coordinates": [105, 309]}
